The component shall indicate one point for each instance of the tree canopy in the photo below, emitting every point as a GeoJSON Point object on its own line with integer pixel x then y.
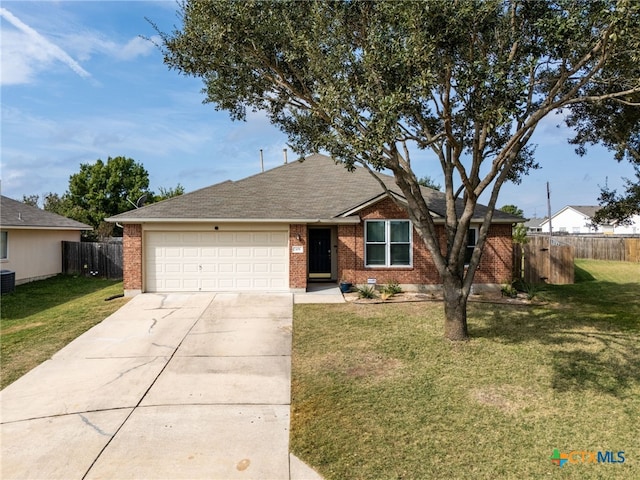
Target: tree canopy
{"type": "Point", "coordinates": [513, 210]}
{"type": "Point", "coordinates": [372, 82]}
{"type": "Point", "coordinates": [429, 182]}
{"type": "Point", "coordinates": [619, 207]}
{"type": "Point", "coordinates": [102, 189]}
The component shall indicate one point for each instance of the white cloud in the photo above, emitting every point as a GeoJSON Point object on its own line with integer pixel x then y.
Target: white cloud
{"type": "Point", "coordinates": [137, 47]}
{"type": "Point", "coordinates": [26, 52]}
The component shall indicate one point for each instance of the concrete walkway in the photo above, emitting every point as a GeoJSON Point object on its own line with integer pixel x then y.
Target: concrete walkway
{"type": "Point", "coordinates": [170, 386]}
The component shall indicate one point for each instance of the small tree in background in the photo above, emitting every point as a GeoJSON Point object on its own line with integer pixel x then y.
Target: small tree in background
{"type": "Point", "coordinates": [429, 182]}
{"type": "Point", "coordinates": [513, 210]}
{"type": "Point", "coordinates": [100, 190]}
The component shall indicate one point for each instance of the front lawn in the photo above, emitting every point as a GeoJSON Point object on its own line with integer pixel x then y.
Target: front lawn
{"type": "Point", "coordinates": [40, 318]}
{"type": "Point", "coordinates": [378, 393]}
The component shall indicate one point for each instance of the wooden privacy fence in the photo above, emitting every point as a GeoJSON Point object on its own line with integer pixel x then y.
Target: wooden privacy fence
{"type": "Point", "coordinates": [92, 259]}
{"type": "Point", "coordinates": [543, 264]}
{"type": "Point", "coordinates": [619, 249]}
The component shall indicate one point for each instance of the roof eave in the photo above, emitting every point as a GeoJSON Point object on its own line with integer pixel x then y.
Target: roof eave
{"type": "Point", "coordinates": [347, 220]}
{"type": "Point", "coordinates": [40, 227]}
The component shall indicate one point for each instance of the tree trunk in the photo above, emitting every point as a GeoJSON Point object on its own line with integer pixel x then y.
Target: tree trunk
{"type": "Point", "coordinates": [455, 309]}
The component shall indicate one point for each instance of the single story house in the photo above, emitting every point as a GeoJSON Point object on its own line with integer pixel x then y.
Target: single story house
{"type": "Point", "coordinates": [305, 221]}
{"type": "Point", "coordinates": [31, 240]}
{"type": "Point", "coordinates": [533, 225]}
{"type": "Point", "coordinates": [578, 219]}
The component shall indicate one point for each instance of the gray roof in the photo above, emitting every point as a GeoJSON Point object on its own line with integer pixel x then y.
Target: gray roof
{"type": "Point", "coordinates": [14, 214]}
{"type": "Point", "coordinates": [588, 210]}
{"type": "Point", "coordinates": [314, 189]}
{"type": "Point", "coordinates": [535, 222]}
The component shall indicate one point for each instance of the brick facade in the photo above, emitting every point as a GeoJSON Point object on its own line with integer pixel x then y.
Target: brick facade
{"type": "Point", "coordinates": [132, 258]}
{"type": "Point", "coordinates": [298, 261]}
{"type": "Point", "coordinates": [495, 265]}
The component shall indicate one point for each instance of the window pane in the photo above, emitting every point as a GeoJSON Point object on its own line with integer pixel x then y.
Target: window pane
{"type": "Point", "coordinates": [375, 255]}
{"type": "Point", "coordinates": [400, 254]}
{"type": "Point", "coordinates": [375, 232]}
{"type": "Point", "coordinates": [3, 244]}
{"type": "Point", "coordinates": [471, 241]}
{"type": "Point", "coordinates": [467, 255]}
{"type": "Point", "coordinates": [399, 231]}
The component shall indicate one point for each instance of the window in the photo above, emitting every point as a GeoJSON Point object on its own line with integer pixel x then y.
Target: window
{"type": "Point", "coordinates": [472, 240]}
{"type": "Point", "coordinates": [3, 245]}
{"type": "Point", "coordinates": [388, 243]}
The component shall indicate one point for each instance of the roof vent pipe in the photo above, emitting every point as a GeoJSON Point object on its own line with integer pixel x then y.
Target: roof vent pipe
{"type": "Point", "coordinates": [261, 161]}
{"type": "Point", "coordinates": [284, 151]}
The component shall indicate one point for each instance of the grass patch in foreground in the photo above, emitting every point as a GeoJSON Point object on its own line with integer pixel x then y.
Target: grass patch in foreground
{"type": "Point", "coordinates": [378, 393]}
{"type": "Point", "coordinates": [40, 318]}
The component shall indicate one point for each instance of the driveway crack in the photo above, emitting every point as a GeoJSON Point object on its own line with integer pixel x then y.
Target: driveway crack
{"type": "Point", "coordinates": [94, 426]}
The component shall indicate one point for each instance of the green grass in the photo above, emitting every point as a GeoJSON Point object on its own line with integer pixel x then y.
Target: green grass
{"type": "Point", "coordinates": [40, 318]}
{"type": "Point", "coordinates": [379, 394]}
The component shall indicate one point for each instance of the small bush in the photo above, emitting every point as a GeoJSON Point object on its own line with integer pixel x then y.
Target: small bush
{"type": "Point", "coordinates": [392, 288]}
{"type": "Point", "coordinates": [509, 290]}
{"type": "Point", "coordinates": [366, 292]}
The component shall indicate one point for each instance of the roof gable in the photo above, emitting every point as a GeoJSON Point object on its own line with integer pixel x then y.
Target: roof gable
{"type": "Point", "coordinates": [14, 214]}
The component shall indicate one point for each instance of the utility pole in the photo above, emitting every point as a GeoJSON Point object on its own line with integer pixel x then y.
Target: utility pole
{"type": "Point", "coordinates": [549, 211]}
{"type": "Point", "coordinates": [550, 231]}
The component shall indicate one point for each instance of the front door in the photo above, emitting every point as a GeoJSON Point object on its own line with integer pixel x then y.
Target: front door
{"type": "Point", "coordinates": [320, 253]}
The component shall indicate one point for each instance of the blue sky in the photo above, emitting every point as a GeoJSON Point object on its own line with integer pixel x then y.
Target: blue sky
{"type": "Point", "coordinates": [78, 83]}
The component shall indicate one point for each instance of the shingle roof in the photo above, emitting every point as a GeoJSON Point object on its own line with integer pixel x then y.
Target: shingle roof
{"type": "Point", "coordinates": [588, 210]}
{"type": "Point", "coordinates": [313, 189]}
{"type": "Point", "coordinates": [16, 214]}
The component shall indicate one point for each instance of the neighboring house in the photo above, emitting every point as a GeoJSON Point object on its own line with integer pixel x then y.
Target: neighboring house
{"type": "Point", "coordinates": [616, 228]}
{"type": "Point", "coordinates": [534, 225]}
{"type": "Point", "coordinates": [31, 240]}
{"type": "Point", "coordinates": [279, 230]}
{"type": "Point", "coordinates": [577, 219]}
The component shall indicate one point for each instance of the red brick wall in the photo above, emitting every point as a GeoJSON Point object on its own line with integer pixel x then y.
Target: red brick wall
{"type": "Point", "coordinates": [298, 261]}
{"type": "Point", "coordinates": [132, 257]}
{"type": "Point", "coordinates": [495, 265]}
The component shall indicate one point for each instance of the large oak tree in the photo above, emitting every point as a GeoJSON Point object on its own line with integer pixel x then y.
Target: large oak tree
{"type": "Point", "coordinates": [369, 82]}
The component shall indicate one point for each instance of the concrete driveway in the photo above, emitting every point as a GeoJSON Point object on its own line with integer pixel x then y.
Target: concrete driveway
{"type": "Point", "coordinates": [170, 386]}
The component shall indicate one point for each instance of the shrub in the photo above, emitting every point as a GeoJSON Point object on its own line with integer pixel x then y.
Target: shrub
{"type": "Point", "coordinates": [392, 288]}
{"type": "Point", "coordinates": [367, 292]}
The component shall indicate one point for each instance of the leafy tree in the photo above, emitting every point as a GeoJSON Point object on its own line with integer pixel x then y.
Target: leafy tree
{"type": "Point", "coordinates": [100, 190]}
{"type": "Point", "coordinates": [166, 193]}
{"type": "Point", "coordinates": [429, 182]}
{"type": "Point", "coordinates": [369, 82]}
{"type": "Point", "coordinates": [619, 208]}
{"type": "Point", "coordinates": [31, 200]}
{"type": "Point", "coordinates": [513, 210]}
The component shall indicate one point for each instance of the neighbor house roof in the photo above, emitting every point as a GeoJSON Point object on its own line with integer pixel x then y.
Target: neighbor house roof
{"type": "Point", "coordinates": [14, 214]}
{"type": "Point", "coordinates": [534, 222]}
{"type": "Point", "coordinates": [315, 189]}
{"type": "Point", "coordinates": [587, 211]}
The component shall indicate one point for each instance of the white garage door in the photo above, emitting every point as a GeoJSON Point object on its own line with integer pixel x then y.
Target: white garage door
{"type": "Point", "coordinates": [216, 261]}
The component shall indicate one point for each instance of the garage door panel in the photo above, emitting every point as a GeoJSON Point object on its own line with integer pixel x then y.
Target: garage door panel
{"type": "Point", "coordinates": [210, 261]}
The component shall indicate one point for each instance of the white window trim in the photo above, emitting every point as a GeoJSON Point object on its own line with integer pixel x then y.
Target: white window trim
{"type": "Point", "coordinates": [387, 243]}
